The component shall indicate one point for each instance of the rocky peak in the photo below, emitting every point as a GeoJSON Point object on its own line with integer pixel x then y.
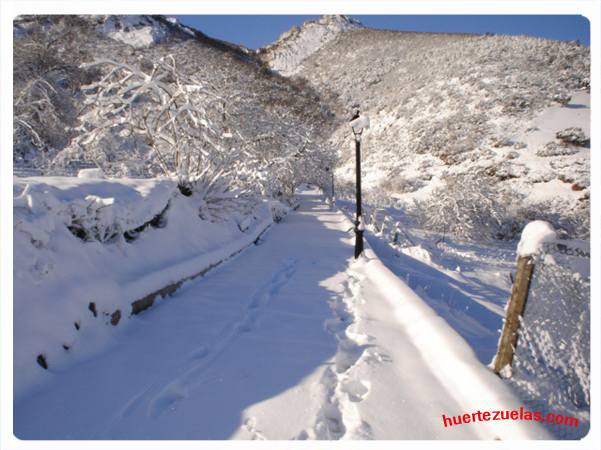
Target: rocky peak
{"type": "Point", "coordinates": [287, 53]}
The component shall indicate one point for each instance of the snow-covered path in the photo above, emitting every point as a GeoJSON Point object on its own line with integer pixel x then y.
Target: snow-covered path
{"type": "Point", "coordinates": [289, 340]}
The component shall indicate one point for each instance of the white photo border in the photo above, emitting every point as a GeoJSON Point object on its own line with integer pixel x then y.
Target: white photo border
{"type": "Point", "coordinates": [11, 8]}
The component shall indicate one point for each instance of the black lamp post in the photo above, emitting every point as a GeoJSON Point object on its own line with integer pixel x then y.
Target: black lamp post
{"type": "Point", "coordinates": [358, 124]}
{"type": "Point", "coordinates": [331, 181]}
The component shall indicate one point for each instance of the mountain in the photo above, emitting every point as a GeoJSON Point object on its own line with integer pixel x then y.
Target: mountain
{"type": "Point", "coordinates": [497, 109]}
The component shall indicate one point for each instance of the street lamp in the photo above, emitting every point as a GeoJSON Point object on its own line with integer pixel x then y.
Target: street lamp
{"type": "Point", "coordinates": [358, 124]}
{"type": "Point", "coordinates": [331, 181]}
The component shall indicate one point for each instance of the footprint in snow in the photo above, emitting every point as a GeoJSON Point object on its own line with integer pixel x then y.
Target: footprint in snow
{"type": "Point", "coordinates": [167, 399]}
{"type": "Point", "coordinates": [302, 436]}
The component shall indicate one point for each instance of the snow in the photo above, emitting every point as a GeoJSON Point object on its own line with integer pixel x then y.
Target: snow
{"type": "Point", "coordinates": [534, 235]}
{"type": "Point", "coordinates": [457, 113]}
{"type": "Point", "coordinates": [292, 321]}
{"type": "Point", "coordinates": [137, 31]}
{"type": "Point", "coordinates": [57, 275]}
{"type": "Point", "coordinates": [551, 366]}
{"type": "Point", "coordinates": [419, 253]}
{"type": "Point", "coordinates": [360, 124]}
{"type": "Point", "coordinates": [287, 53]}
{"type": "Point", "coordinates": [377, 348]}
{"type": "Point", "coordinates": [469, 382]}
{"type": "Point", "coordinates": [90, 173]}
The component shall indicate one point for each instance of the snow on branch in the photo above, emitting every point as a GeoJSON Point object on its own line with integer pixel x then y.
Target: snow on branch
{"type": "Point", "coordinates": [175, 114]}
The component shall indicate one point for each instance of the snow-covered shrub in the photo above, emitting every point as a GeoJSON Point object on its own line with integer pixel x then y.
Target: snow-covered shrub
{"type": "Point", "coordinates": [573, 136]}
{"type": "Point", "coordinates": [43, 112]}
{"type": "Point", "coordinates": [563, 98]}
{"type": "Point", "coordinates": [516, 103]}
{"type": "Point", "coordinates": [464, 206]}
{"type": "Point", "coordinates": [497, 142]}
{"type": "Point", "coordinates": [278, 210]}
{"type": "Point", "coordinates": [397, 184]}
{"type": "Point", "coordinates": [153, 101]}
{"type": "Point", "coordinates": [569, 221]}
{"type": "Point", "coordinates": [92, 219]}
{"type": "Point", "coordinates": [46, 76]}
{"type": "Point", "coordinates": [95, 173]}
{"type": "Point", "coordinates": [448, 138]}
{"type": "Point", "coordinates": [556, 149]}
{"type": "Point", "coordinates": [505, 171]}
{"type": "Point", "coordinates": [216, 199]}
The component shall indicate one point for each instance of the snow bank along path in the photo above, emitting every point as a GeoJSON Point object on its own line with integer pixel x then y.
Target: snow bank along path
{"type": "Point", "coordinates": [292, 339]}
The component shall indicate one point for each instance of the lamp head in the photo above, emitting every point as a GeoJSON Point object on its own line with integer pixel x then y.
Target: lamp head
{"type": "Point", "coordinates": [359, 124]}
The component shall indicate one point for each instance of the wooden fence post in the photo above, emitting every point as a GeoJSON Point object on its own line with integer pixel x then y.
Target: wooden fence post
{"type": "Point", "coordinates": [515, 309]}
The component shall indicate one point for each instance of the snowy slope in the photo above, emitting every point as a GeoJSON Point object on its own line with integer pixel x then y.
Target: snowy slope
{"type": "Point", "coordinates": [293, 321]}
{"type": "Point", "coordinates": [449, 105]}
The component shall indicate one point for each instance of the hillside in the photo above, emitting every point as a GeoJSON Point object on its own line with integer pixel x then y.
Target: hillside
{"type": "Point", "coordinates": [509, 112]}
{"type": "Point", "coordinates": [261, 123]}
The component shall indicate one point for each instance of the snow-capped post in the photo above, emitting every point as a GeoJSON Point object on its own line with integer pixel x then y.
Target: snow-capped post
{"type": "Point", "coordinates": [533, 236]}
{"type": "Point", "coordinates": [358, 124]}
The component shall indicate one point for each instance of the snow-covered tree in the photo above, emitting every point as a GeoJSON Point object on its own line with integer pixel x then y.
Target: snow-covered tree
{"type": "Point", "coordinates": [464, 206]}
{"type": "Point", "coordinates": [153, 105]}
{"type": "Point", "coordinates": [47, 53]}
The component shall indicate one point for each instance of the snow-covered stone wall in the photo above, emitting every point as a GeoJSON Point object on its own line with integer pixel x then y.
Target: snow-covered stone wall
{"type": "Point", "coordinates": [85, 249]}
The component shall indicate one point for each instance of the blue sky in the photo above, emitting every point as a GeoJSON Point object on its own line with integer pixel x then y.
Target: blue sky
{"type": "Point", "coordinates": [255, 31]}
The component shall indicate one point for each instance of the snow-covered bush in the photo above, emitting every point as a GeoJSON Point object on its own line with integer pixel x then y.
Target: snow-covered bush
{"type": "Point", "coordinates": [93, 219]}
{"type": "Point", "coordinates": [278, 210]}
{"type": "Point", "coordinates": [46, 77]}
{"type": "Point", "coordinates": [398, 184]}
{"type": "Point", "coordinates": [217, 200]}
{"type": "Point", "coordinates": [572, 222]}
{"type": "Point", "coordinates": [573, 136]}
{"type": "Point", "coordinates": [155, 103]}
{"type": "Point", "coordinates": [515, 104]}
{"type": "Point", "coordinates": [450, 137]}
{"type": "Point", "coordinates": [464, 206]}
{"type": "Point", "coordinates": [556, 149]}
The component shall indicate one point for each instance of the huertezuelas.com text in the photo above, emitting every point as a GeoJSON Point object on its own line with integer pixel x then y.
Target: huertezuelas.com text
{"type": "Point", "coordinates": [511, 414]}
